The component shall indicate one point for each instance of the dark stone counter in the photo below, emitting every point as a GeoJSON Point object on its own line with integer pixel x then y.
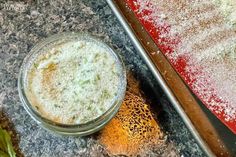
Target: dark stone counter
{"type": "Point", "coordinates": [22, 25]}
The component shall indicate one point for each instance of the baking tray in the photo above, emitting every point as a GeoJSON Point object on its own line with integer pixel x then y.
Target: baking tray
{"type": "Point", "coordinates": [213, 138]}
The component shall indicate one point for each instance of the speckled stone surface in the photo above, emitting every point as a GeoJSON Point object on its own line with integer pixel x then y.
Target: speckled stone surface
{"type": "Point", "coordinates": [22, 25]}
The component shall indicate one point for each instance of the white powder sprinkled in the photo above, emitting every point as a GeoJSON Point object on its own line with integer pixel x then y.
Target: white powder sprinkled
{"type": "Point", "coordinates": [228, 8]}
{"type": "Point", "coordinates": [74, 82]}
{"type": "Point", "coordinates": [207, 42]}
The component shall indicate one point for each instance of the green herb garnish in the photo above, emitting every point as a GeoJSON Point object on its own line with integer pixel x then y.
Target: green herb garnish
{"type": "Point", "coordinates": [37, 107]}
{"type": "Point", "coordinates": [6, 148]}
{"type": "Point", "coordinates": [105, 94]}
{"type": "Point", "coordinates": [75, 93]}
{"type": "Point", "coordinates": [98, 77]}
{"type": "Point", "coordinates": [85, 60]}
{"type": "Point", "coordinates": [36, 65]}
{"type": "Point", "coordinates": [84, 82]}
{"type": "Point", "coordinates": [89, 108]}
{"type": "Point", "coordinates": [74, 117]}
{"type": "Point", "coordinates": [57, 106]}
{"type": "Point", "coordinates": [96, 56]}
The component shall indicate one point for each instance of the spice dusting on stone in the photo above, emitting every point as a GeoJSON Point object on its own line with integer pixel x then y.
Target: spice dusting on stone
{"type": "Point", "coordinates": [74, 82]}
{"type": "Point", "coordinates": [133, 131]}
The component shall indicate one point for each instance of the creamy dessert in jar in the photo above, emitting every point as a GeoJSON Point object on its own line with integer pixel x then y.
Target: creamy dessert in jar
{"type": "Point", "coordinates": [73, 82]}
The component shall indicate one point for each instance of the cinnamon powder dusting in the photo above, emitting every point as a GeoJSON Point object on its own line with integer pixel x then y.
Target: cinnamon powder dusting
{"type": "Point", "coordinates": [133, 131]}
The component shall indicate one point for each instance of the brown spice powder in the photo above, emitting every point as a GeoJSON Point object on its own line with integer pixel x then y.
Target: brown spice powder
{"type": "Point", "coordinates": [134, 130]}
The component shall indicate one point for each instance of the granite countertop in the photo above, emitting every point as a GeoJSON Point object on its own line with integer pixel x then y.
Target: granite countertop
{"type": "Point", "coordinates": [22, 25]}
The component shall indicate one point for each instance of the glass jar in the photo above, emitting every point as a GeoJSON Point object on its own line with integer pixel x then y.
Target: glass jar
{"type": "Point", "coordinates": [69, 129]}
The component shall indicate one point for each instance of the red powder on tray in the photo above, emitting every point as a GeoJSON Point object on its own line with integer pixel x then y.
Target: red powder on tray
{"type": "Point", "coordinates": [201, 46]}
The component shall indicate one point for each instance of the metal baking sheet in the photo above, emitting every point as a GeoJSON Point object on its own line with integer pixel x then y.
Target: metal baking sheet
{"type": "Point", "coordinates": [189, 108]}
